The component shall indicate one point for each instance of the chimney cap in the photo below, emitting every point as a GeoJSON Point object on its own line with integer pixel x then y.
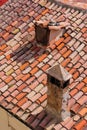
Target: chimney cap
{"type": "Point", "coordinates": [51, 24]}
{"type": "Point", "coordinates": [58, 72]}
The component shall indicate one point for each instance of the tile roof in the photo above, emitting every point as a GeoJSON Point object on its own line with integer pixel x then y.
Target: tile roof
{"type": "Point", "coordinates": [75, 3]}
{"type": "Point", "coordinates": [2, 2]}
{"type": "Point", "coordinates": [23, 65]}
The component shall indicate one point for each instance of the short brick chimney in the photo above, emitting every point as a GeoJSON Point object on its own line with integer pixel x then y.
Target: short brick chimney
{"type": "Point", "coordinates": [58, 92]}
{"type": "Point", "coordinates": [46, 31]}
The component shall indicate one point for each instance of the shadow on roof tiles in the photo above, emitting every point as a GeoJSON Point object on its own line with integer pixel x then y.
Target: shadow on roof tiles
{"type": "Point", "coordinates": [27, 52]}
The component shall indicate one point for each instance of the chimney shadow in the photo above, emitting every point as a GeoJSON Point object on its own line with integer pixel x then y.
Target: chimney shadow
{"type": "Point", "coordinates": [44, 120]}
{"type": "Point", "coordinates": [26, 52]}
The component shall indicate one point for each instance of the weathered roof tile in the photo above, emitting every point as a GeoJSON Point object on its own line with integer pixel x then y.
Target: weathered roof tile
{"type": "Point", "coordinates": [23, 65]}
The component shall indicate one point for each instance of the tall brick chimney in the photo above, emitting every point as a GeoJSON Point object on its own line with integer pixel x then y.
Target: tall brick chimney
{"type": "Point", "coordinates": [58, 92]}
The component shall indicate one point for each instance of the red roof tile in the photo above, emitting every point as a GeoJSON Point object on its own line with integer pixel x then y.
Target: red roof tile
{"type": "Point", "coordinates": [80, 125]}
{"type": "Point", "coordinates": [23, 65]}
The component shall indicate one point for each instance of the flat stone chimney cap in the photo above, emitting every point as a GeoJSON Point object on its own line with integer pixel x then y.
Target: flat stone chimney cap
{"type": "Point", "coordinates": [58, 72]}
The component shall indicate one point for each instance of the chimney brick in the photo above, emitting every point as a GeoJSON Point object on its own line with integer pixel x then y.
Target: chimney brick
{"type": "Point", "coordinates": [58, 92]}
{"type": "Point", "coordinates": [46, 31]}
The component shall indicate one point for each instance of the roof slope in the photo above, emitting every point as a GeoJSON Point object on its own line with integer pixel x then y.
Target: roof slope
{"type": "Point", "coordinates": [75, 3]}
{"type": "Point", "coordinates": [23, 64]}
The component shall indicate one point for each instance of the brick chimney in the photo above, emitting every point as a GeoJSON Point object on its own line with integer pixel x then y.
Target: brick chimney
{"type": "Point", "coordinates": [46, 31]}
{"type": "Point", "coordinates": [58, 92]}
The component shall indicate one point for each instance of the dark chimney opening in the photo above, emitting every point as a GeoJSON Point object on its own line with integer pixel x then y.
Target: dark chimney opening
{"type": "Point", "coordinates": [55, 81]}
{"type": "Point", "coordinates": [42, 34]}
{"type": "Point", "coordinates": [52, 80]}
{"type": "Point", "coordinates": [58, 83]}
{"type": "Point", "coordinates": [66, 83]}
